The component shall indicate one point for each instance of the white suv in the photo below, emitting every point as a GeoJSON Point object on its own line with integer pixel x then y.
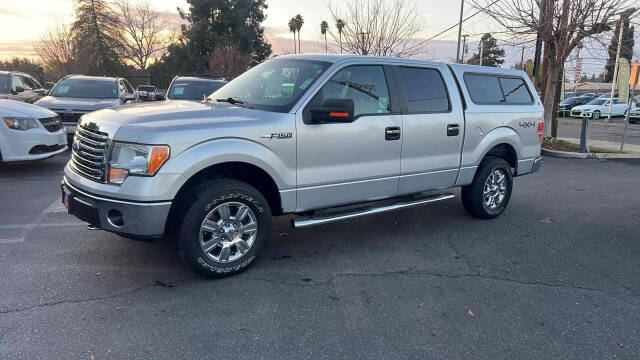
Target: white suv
{"type": "Point", "coordinates": [29, 132]}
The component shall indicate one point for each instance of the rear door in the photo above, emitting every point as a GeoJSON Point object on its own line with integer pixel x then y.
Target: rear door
{"type": "Point", "coordinates": [433, 128]}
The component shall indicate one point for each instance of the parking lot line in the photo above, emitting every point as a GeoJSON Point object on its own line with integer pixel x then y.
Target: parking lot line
{"type": "Point", "coordinates": [55, 206]}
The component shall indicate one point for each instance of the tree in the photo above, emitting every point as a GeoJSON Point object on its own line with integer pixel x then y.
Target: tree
{"type": "Point", "coordinates": [58, 51]}
{"type": "Point", "coordinates": [340, 24]}
{"type": "Point", "coordinates": [323, 30]}
{"type": "Point", "coordinates": [378, 27]}
{"type": "Point", "coordinates": [145, 33]}
{"type": "Point", "coordinates": [293, 28]}
{"type": "Point", "coordinates": [214, 22]}
{"type": "Point", "coordinates": [96, 34]}
{"type": "Point", "coordinates": [228, 61]}
{"type": "Point", "coordinates": [299, 22]}
{"type": "Point", "coordinates": [492, 54]}
{"type": "Point", "coordinates": [626, 50]}
{"type": "Point", "coordinates": [561, 25]}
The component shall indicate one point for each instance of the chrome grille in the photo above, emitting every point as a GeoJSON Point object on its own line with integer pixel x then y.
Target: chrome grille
{"type": "Point", "coordinates": [89, 152]}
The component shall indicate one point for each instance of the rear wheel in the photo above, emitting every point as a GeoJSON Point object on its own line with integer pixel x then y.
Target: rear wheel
{"type": "Point", "coordinates": [225, 228]}
{"type": "Point", "coordinates": [489, 193]}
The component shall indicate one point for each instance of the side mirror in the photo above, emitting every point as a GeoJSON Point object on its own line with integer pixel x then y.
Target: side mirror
{"type": "Point", "coordinates": [333, 111]}
{"type": "Point", "coordinates": [18, 89]}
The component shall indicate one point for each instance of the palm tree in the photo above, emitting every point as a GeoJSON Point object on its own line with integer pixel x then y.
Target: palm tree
{"type": "Point", "coordinates": [299, 22]}
{"type": "Point", "coordinates": [323, 30]}
{"type": "Point", "coordinates": [340, 25]}
{"type": "Point", "coordinates": [292, 28]}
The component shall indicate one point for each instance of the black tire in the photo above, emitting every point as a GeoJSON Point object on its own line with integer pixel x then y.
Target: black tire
{"type": "Point", "coordinates": [202, 202]}
{"type": "Point", "coordinates": [473, 194]}
{"type": "Point", "coordinates": [595, 115]}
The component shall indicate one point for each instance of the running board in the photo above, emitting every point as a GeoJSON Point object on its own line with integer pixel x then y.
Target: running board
{"type": "Point", "coordinates": [352, 213]}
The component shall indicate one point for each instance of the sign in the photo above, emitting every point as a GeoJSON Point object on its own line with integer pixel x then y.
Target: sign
{"type": "Point", "coordinates": [633, 79]}
{"type": "Point", "coordinates": [623, 80]}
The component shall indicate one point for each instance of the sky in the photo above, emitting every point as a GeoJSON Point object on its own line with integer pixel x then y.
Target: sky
{"type": "Point", "coordinates": [22, 22]}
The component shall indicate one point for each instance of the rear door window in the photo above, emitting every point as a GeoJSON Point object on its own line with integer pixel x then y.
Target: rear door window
{"type": "Point", "coordinates": [425, 90]}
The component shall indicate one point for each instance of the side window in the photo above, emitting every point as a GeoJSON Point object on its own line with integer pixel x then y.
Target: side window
{"type": "Point", "coordinates": [515, 91]}
{"type": "Point", "coordinates": [128, 86]}
{"type": "Point", "coordinates": [484, 89]}
{"type": "Point", "coordinates": [123, 90]}
{"type": "Point", "coordinates": [365, 85]}
{"type": "Point", "coordinates": [28, 82]}
{"type": "Point", "coordinates": [425, 90]}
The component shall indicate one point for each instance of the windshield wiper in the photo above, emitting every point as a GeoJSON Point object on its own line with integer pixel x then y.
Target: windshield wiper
{"type": "Point", "coordinates": [234, 101]}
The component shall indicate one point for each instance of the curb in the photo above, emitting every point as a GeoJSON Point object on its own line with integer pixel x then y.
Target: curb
{"type": "Point", "coordinates": [574, 155]}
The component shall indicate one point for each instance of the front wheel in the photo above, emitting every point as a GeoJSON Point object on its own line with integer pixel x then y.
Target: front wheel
{"type": "Point", "coordinates": [595, 115]}
{"type": "Point", "coordinates": [225, 228]}
{"type": "Point", "coordinates": [489, 193]}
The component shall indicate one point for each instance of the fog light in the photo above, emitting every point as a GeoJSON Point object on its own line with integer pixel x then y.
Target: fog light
{"type": "Point", "coordinates": [117, 176]}
{"type": "Point", "coordinates": [115, 218]}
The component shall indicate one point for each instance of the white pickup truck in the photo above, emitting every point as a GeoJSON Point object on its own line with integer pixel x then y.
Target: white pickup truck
{"type": "Point", "coordinates": [319, 137]}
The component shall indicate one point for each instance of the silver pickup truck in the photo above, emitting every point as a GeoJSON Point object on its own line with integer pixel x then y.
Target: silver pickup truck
{"type": "Point", "coordinates": [321, 137]}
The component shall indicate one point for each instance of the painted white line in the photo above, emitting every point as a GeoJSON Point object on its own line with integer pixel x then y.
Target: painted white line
{"type": "Point", "coordinates": [20, 226]}
{"type": "Point", "coordinates": [54, 207]}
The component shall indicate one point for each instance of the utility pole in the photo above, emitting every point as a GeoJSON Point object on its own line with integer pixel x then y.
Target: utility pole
{"type": "Point", "coordinates": [481, 48]}
{"type": "Point", "coordinates": [615, 69]}
{"type": "Point", "coordinates": [522, 59]}
{"type": "Point", "coordinates": [460, 31]}
{"type": "Point", "coordinates": [464, 44]}
{"type": "Point", "coordinates": [363, 49]}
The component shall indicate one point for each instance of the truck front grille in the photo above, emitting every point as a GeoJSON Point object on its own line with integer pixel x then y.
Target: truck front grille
{"type": "Point", "coordinates": [52, 124]}
{"type": "Point", "coordinates": [89, 152]}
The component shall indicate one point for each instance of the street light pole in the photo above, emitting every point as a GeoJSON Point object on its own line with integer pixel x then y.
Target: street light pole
{"type": "Point", "coordinates": [615, 70]}
{"type": "Point", "coordinates": [460, 31]}
{"type": "Point", "coordinates": [464, 44]}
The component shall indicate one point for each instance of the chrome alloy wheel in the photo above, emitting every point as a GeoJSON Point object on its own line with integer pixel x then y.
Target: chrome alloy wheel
{"type": "Point", "coordinates": [495, 189]}
{"type": "Point", "coordinates": [228, 232]}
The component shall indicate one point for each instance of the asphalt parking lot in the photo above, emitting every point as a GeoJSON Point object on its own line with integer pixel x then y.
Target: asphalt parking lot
{"type": "Point", "coordinates": [556, 277]}
{"type": "Point", "coordinates": [600, 130]}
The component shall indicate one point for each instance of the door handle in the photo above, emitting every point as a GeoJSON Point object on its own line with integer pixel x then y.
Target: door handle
{"type": "Point", "coordinates": [453, 130]}
{"type": "Point", "coordinates": [392, 133]}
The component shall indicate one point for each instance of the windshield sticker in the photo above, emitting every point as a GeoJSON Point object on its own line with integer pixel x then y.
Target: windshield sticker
{"type": "Point", "coordinates": [178, 91]}
{"type": "Point", "coordinates": [62, 89]}
{"type": "Point", "coordinates": [305, 84]}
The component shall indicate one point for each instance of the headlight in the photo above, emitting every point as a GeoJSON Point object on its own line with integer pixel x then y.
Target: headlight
{"type": "Point", "coordinates": [21, 123]}
{"type": "Point", "coordinates": [135, 159]}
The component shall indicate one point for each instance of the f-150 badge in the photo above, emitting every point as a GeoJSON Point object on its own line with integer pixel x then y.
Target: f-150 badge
{"type": "Point", "coordinates": [286, 135]}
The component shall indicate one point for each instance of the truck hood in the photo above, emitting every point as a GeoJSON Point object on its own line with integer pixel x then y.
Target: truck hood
{"type": "Point", "coordinates": [19, 108]}
{"type": "Point", "coordinates": [130, 122]}
{"type": "Point", "coordinates": [79, 104]}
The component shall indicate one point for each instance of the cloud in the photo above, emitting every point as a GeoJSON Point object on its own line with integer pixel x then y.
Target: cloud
{"type": "Point", "coordinates": [7, 12]}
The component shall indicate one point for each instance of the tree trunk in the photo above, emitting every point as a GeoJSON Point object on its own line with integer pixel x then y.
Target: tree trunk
{"type": "Point", "coordinates": [556, 102]}
{"type": "Point", "coordinates": [555, 72]}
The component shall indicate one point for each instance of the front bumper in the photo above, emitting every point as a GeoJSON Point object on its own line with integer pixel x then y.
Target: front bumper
{"type": "Point", "coordinates": [33, 144]}
{"type": "Point", "coordinates": [124, 217]}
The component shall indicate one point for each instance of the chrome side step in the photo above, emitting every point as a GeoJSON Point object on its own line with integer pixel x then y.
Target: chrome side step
{"type": "Point", "coordinates": [352, 213]}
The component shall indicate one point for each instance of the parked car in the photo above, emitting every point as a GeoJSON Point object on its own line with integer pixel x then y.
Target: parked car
{"type": "Point", "coordinates": [48, 85]}
{"type": "Point", "coordinates": [76, 95]}
{"type": "Point", "coordinates": [193, 87]}
{"type": "Point", "coordinates": [29, 132]}
{"type": "Point", "coordinates": [307, 135]}
{"type": "Point", "coordinates": [599, 107]}
{"type": "Point", "coordinates": [634, 115]}
{"type": "Point", "coordinates": [20, 86]}
{"type": "Point", "coordinates": [146, 92]}
{"type": "Point", "coordinates": [564, 109]}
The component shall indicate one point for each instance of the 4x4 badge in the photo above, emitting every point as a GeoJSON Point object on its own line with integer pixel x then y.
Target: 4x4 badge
{"type": "Point", "coordinates": [286, 135]}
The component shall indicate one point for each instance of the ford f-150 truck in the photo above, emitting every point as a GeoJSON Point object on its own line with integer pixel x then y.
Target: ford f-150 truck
{"type": "Point", "coordinates": [320, 137]}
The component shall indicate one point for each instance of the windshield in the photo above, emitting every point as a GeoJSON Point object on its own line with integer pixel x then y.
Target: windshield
{"type": "Point", "coordinates": [193, 89]}
{"type": "Point", "coordinates": [570, 101]}
{"type": "Point", "coordinates": [597, 102]}
{"type": "Point", "coordinates": [274, 85]}
{"type": "Point", "coordinates": [4, 83]}
{"type": "Point", "coordinates": [146, 88]}
{"type": "Point", "coordinates": [86, 88]}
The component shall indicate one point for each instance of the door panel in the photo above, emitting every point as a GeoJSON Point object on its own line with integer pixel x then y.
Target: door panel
{"type": "Point", "coordinates": [433, 129]}
{"type": "Point", "coordinates": [344, 163]}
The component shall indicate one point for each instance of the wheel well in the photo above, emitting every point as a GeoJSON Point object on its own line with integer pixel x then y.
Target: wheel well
{"type": "Point", "coordinates": [506, 152]}
{"type": "Point", "coordinates": [245, 172]}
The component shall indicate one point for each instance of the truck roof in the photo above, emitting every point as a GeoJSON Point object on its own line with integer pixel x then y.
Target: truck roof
{"type": "Point", "coordinates": [341, 58]}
